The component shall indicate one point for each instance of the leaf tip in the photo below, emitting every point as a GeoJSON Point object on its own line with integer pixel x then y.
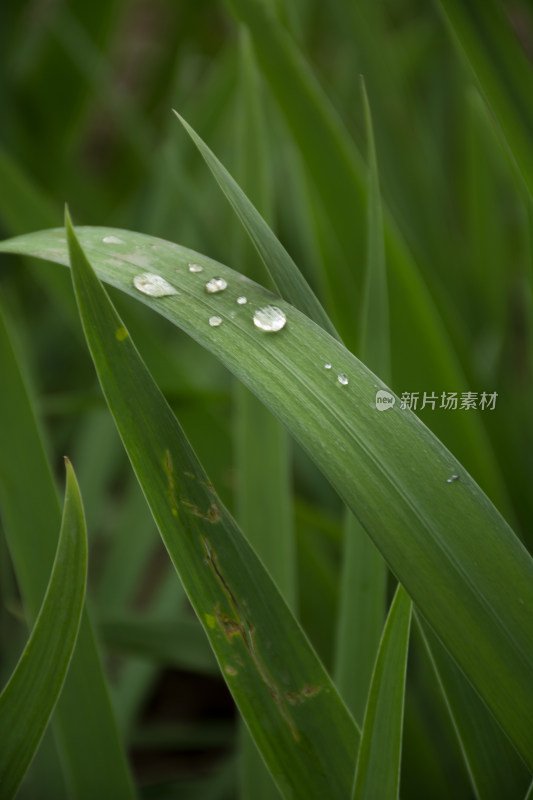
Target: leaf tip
{"type": "Point", "coordinates": [68, 220]}
{"type": "Point", "coordinates": [69, 228]}
{"type": "Point", "coordinates": [185, 124]}
{"type": "Point", "coordinates": [69, 469]}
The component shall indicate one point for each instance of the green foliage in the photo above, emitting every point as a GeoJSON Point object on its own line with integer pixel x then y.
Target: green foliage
{"type": "Point", "coordinates": [38, 677]}
{"type": "Point", "coordinates": [399, 220]}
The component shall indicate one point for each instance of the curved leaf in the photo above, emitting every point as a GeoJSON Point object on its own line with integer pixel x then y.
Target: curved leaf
{"type": "Point", "coordinates": [460, 562]}
{"type": "Point", "coordinates": [28, 700]}
{"type": "Point", "coordinates": [286, 276]}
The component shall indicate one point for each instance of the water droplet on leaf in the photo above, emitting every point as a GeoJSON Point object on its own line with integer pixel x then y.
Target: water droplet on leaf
{"type": "Point", "coordinates": [215, 321]}
{"type": "Point", "coordinates": [327, 365]}
{"type": "Point", "coordinates": [112, 240]}
{"type": "Point", "coordinates": [153, 285]}
{"type": "Point", "coordinates": [452, 478]}
{"type": "Point", "coordinates": [342, 379]}
{"type": "Point", "coordinates": [270, 319]}
{"type": "Point", "coordinates": [195, 268]}
{"type": "Point", "coordinates": [216, 285]}
{"type": "Point", "coordinates": [241, 301]}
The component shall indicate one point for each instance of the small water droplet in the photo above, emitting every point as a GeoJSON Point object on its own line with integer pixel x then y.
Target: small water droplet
{"type": "Point", "coordinates": [327, 365]}
{"type": "Point", "coordinates": [215, 321]}
{"type": "Point", "coordinates": [216, 285]}
{"type": "Point", "coordinates": [241, 301]}
{"type": "Point", "coordinates": [153, 285]}
{"type": "Point", "coordinates": [270, 319]}
{"type": "Point", "coordinates": [342, 379]}
{"type": "Point", "coordinates": [195, 268]}
{"type": "Point", "coordinates": [112, 240]}
{"type": "Point", "coordinates": [452, 478]}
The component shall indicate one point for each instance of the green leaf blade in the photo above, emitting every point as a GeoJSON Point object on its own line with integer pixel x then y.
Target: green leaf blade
{"type": "Point", "coordinates": [455, 555]}
{"type": "Point", "coordinates": [361, 615]}
{"type": "Point", "coordinates": [378, 763]}
{"type": "Point", "coordinates": [375, 333]}
{"type": "Point", "coordinates": [276, 679]}
{"type": "Point", "coordinates": [37, 680]}
{"type": "Point", "coordinates": [286, 276]}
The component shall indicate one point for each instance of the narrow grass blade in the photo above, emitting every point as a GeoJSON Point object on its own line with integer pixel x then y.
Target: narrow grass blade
{"type": "Point", "coordinates": [467, 572]}
{"type": "Point", "coordinates": [361, 616]}
{"type": "Point", "coordinates": [493, 765]}
{"type": "Point", "coordinates": [28, 700]}
{"type": "Point", "coordinates": [483, 33]}
{"type": "Point", "coordinates": [263, 499]}
{"type": "Point", "coordinates": [375, 326]}
{"type": "Point", "coordinates": [274, 675]}
{"type": "Point", "coordinates": [378, 763]}
{"type": "Point", "coordinates": [83, 719]}
{"type": "Point", "coordinates": [364, 573]}
{"type": "Point", "coordinates": [286, 276]}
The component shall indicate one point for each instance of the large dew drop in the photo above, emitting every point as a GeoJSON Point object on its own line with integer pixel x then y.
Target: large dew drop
{"type": "Point", "coordinates": [342, 379]}
{"type": "Point", "coordinates": [216, 285]}
{"type": "Point", "coordinates": [215, 321]}
{"type": "Point", "coordinates": [270, 319]}
{"type": "Point", "coordinates": [153, 285]}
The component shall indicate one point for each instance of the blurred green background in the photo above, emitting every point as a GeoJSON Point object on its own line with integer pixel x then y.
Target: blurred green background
{"type": "Point", "coordinates": [86, 92]}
